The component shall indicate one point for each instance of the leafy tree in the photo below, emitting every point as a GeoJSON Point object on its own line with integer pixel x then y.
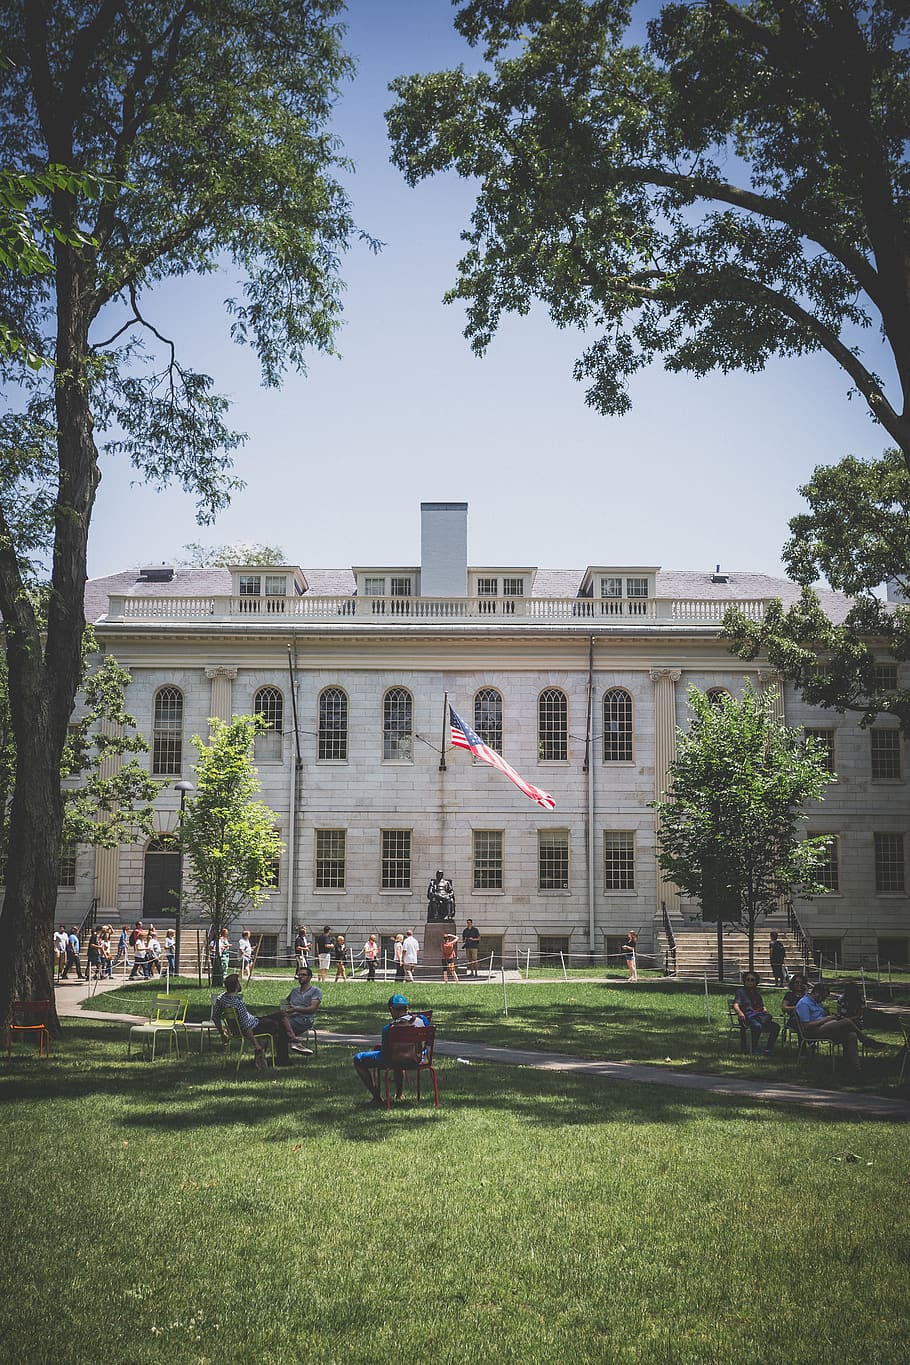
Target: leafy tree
{"type": "Point", "coordinates": [228, 837]}
{"type": "Point", "coordinates": [207, 120]}
{"type": "Point", "coordinates": [856, 535]}
{"type": "Point", "coordinates": [728, 827]}
{"type": "Point", "coordinates": [221, 556]}
{"type": "Point", "coordinates": [604, 187]}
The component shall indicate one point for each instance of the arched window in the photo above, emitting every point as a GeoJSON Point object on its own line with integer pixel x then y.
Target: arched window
{"type": "Point", "coordinates": [397, 725]}
{"type": "Point", "coordinates": [552, 725]}
{"type": "Point", "coordinates": [269, 704]}
{"type": "Point", "coordinates": [718, 695]}
{"type": "Point", "coordinates": [488, 717]}
{"type": "Point", "coordinates": [617, 726]}
{"type": "Point", "coordinates": [333, 724]}
{"type": "Point", "coordinates": [167, 735]}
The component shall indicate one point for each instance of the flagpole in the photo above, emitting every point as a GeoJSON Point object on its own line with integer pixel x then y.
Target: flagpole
{"type": "Point", "coordinates": [442, 747]}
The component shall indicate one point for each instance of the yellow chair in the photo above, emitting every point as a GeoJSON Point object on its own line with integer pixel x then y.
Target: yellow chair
{"type": "Point", "coordinates": [236, 1034]}
{"type": "Point", "coordinates": [170, 1017]}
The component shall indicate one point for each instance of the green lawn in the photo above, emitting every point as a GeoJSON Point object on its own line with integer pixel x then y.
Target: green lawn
{"type": "Point", "coordinates": [174, 1213]}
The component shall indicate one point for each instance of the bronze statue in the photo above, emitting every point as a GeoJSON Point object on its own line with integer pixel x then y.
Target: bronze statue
{"type": "Point", "coordinates": [440, 899]}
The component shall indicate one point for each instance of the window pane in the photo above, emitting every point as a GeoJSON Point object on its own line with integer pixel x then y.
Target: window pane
{"type": "Point", "coordinates": [611, 587]}
{"type": "Point", "coordinates": [829, 871]}
{"type": "Point", "coordinates": [400, 587]}
{"type": "Point", "coordinates": [330, 859]}
{"type": "Point", "coordinates": [553, 860]}
{"type": "Point", "coordinates": [619, 860]}
{"type": "Point", "coordinates": [167, 738]}
{"type": "Point", "coordinates": [269, 703]}
{"type": "Point", "coordinates": [333, 724]}
{"type": "Point", "coordinates": [250, 585]}
{"type": "Point", "coordinates": [617, 726]}
{"type": "Point", "coordinates": [825, 737]}
{"type": "Point", "coordinates": [374, 587]}
{"type": "Point", "coordinates": [66, 875]}
{"type": "Point", "coordinates": [397, 740]}
{"type": "Point", "coordinates": [488, 717]}
{"type": "Point", "coordinates": [886, 752]}
{"type": "Point", "coordinates": [276, 585]}
{"type": "Point", "coordinates": [636, 587]}
{"type": "Point", "coordinates": [487, 587]}
{"type": "Point", "coordinates": [552, 725]}
{"type": "Point", "coordinates": [488, 860]}
{"type": "Point", "coordinates": [513, 587]}
{"type": "Point", "coordinates": [396, 860]}
{"type": "Point", "coordinates": [889, 862]}
{"type": "Point", "coordinates": [885, 677]}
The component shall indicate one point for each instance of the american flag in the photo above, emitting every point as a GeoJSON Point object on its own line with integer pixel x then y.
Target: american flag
{"type": "Point", "coordinates": [463, 737]}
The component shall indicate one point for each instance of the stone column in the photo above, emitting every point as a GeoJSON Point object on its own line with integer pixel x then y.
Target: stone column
{"type": "Point", "coordinates": [664, 680]}
{"type": "Point", "coordinates": [221, 678]}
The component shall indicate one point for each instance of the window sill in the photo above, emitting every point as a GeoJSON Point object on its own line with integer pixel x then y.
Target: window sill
{"type": "Point", "coordinates": [395, 891]}
{"type": "Point", "coordinates": [554, 891]}
{"type": "Point", "coordinates": [621, 891]}
{"type": "Point", "coordinates": [330, 891]}
{"type": "Point", "coordinates": [332, 762]}
{"type": "Point", "coordinates": [488, 891]}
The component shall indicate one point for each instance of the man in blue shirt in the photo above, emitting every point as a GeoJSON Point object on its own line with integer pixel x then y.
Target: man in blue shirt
{"type": "Point", "coordinates": [72, 954]}
{"type": "Point", "coordinates": [366, 1063]}
{"type": "Point", "coordinates": [816, 1023]}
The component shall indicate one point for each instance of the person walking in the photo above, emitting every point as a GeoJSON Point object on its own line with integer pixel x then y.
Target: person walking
{"type": "Point", "coordinates": [776, 954]}
{"type": "Point", "coordinates": [399, 957]}
{"type": "Point", "coordinates": [341, 971]}
{"type": "Point", "coordinates": [60, 952]}
{"type": "Point", "coordinates": [72, 954]}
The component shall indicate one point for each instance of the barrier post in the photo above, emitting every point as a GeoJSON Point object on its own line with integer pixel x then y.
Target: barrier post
{"type": "Point", "coordinates": [505, 1002]}
{"type": "Point", "coordinates": [565, 974]}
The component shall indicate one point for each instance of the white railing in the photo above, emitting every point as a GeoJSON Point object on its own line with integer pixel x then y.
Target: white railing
{"type": "Point", "coordinates": [393, 610]}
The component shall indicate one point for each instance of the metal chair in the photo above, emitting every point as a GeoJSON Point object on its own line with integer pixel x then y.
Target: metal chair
{"type": "Point", "coordinates": [231, 1022]}
{"type": "Point", "coordinates": [30, 1016]}
{"type": "Point", "coordinates": [745, 1033]}
{"type": "Point", "coordinates": [810, 1045]}
{"type": "Point", "coordinates": [170, 1017]}
{"type": "Point", "coordinates": [407, 1048]}
{"type": "Point", "coordinates": [904, 1025]}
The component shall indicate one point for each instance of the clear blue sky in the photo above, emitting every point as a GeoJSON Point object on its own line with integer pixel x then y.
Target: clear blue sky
{"type": "Point", "coordinates": [701, 472]}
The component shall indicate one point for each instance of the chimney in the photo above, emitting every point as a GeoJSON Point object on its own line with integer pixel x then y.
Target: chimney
{"type": "Point", "coordinates": [443, 549]}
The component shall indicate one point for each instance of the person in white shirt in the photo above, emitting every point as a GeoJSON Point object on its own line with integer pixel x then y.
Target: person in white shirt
{"type": "Point", "coordinates": [59, 951]}
{"type": "Point", "coordinates": [410, 949]}
{"type": "Point", "coordinates": [245, 949]}
{"type": "Point", "coordinates": [153, 954]}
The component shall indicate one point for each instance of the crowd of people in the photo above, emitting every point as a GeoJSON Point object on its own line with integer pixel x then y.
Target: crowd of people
{"type": "Point", "coordinates": [140, 949]}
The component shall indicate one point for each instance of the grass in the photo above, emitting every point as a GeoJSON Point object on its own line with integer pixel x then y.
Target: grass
{"type": "Point", "coordinates": [177, 1214]}
{"type": "Point", "coordinates": [662, 1023]}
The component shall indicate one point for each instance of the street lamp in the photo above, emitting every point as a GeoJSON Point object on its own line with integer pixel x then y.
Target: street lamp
{"type": "Point", "coordinates": [182, 787]}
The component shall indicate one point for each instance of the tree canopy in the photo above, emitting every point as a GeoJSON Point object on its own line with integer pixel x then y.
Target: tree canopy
{"type": "Point", "coordinates": [207, 122]}
{"type": "Point", "coordinates": [856, 535]}
{"type": "Point", "coordinates": [222, 556]}
{"type": "Point", "coordinates": [728, 827]}
{"type": "Point", "coordinates": [229, 838]}
{"type": "Point", "coordinates": [733, 189]}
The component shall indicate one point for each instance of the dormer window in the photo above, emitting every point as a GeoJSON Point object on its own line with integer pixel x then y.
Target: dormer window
{"type": "Point", "coordinates": [513, 587]}
{"type": "Point", "coordinates": [611, 587]}
{"type": "Point", "coordinates": [374, 587]}
{"type": "Point", "coordinates": [259, 592]}
{"type": "Point", "coordinates": [401, 587]}
{"type": "Point", "coordinates": [636, 587]}
{"type": "Point", "coordinates": [488, 587]}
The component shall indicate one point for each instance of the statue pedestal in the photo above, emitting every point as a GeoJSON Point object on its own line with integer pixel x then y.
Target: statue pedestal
{"type": "Point", "coordinates": [431, 948]}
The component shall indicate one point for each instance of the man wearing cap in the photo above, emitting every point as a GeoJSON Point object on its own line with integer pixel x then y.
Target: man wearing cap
{"type": "Point", "coordinates": [366, 1063]}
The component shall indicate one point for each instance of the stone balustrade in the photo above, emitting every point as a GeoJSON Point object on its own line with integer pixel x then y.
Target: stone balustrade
{"type": "Point", "coordinates": [568, 610]}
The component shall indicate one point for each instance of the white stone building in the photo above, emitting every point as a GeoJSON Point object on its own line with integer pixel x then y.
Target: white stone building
{"type": "Point", "coordinates": [578, 676]}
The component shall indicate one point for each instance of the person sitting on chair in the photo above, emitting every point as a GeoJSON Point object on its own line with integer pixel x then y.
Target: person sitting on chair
{"type": "Point", "coordinates": [366, 1063]}
{"type": "Point", "coordinates": [750, 1010]}
{"type": "Point", "coordinates": [301, 1005]}
{"type": "Point", "coordinates": [817, 1023]}
{"type": "Point", "coordinates": [277, 1024]}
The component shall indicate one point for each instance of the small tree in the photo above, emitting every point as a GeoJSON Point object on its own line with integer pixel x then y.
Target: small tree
{"type": "Point", "coordinates": [228, 837]}
{"type": "Point", "coordinates": [728, 829]}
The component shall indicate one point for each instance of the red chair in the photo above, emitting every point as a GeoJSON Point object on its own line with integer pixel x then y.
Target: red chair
{"type": "Point", "coordinates": [407, 1048]}
{"type": "Point", "coordinates": [30, 1016]}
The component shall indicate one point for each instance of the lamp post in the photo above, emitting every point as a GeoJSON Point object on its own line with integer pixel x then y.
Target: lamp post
{"type": "Point", "coordinates": [182, 787]}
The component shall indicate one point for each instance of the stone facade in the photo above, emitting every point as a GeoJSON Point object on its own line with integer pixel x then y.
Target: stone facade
{"type": "Point", "coordinates": [196, 633]}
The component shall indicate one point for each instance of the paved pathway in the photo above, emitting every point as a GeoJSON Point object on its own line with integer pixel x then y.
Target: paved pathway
{"type": "Point", "coordinates": [70, 997]}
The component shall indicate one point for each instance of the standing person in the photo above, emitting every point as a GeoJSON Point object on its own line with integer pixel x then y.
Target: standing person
{"type": "Point", "coordinates": [170, 951]}
{"type": "Point", "coordinates": [470, 940]}
{"type": "Point", "coordinates": [370, 954]}
{"type": "Point", "coordinates": [73, 949]}
{"type": "Point", "coordinates": [325, 944]}
{"type": "Point", "coordinates": [122, 954]}
{"type": "Point", "coordinates": [410, 948]}
{"type": "Point", "coordinates": [449, 949]}
{"type": "Point", "coordinates": [341, 971]}
{"type": "Point", "coordinates": [137, 929]}
{"type": "Point", "coordinates": [245, 949]}
{"type": "Point", "coordinates": [107, 958]}
{"type": "Point", "coordinates": [93, 964]}
{"type": "Point", "coordinates": [224, 951]}
{"type": "Point", "coordinates": [399, 957]}
{"type": "Point", "coordinates": [153, 953]}
{"type": "Point", "coordinates": [140, 958]}
{"type": "Point", "coordinates": [629, 953]}
{"type": "Point", "coordinates": [776, 954]}
{"type": "Point", "coordinates": [60, 952]}
{"type": "Point", "coordinates": [302, 946]}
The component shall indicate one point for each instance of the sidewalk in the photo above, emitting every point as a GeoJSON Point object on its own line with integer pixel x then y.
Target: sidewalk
{"type": "Point", "coordinates": [70, 997]}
